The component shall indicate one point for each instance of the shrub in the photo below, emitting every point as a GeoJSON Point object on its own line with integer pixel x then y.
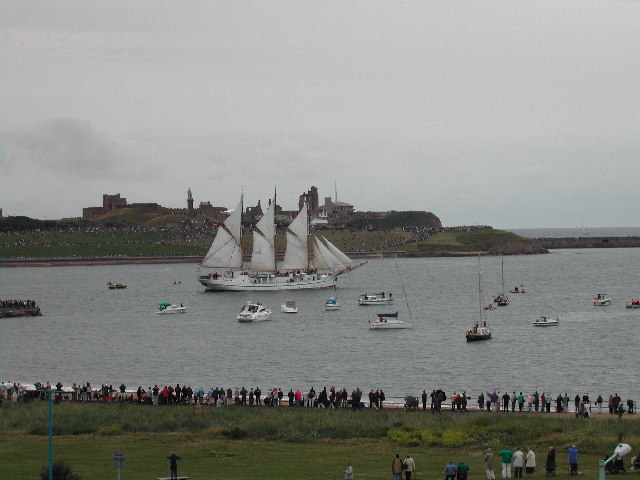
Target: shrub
{"type": "Point", "coordinates": [61, 471]}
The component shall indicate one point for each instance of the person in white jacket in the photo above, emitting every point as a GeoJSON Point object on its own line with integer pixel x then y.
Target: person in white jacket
{"type": "Point", "coordinates": [518, 463]}
{"type": "Point", "coordinates": [530, 465]}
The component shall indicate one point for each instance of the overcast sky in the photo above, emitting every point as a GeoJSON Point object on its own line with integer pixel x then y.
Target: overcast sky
{"type": "Point", "coordinates": [507, 113]}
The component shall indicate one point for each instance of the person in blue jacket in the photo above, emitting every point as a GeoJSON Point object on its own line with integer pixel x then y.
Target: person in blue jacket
{"type": "Point", "coordinates": [573, 460]}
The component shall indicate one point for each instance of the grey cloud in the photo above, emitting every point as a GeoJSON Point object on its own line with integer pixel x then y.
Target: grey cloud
{"type": "Point", "coordinates": [64, 144]}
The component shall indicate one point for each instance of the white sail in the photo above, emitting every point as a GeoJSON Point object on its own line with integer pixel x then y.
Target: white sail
{"type": "Point", "coordinates": [225, 251]}
{"type": "Point", "coordinates": [263, 258]}
{"type": "Point", "coordinates": [296, 255]}
{"type": "Point", "coordinates": [342, 258]}
{"type": "Point", "coordinates": [318, 261]}
{"type": "Point", "coordinates": [325, 257]}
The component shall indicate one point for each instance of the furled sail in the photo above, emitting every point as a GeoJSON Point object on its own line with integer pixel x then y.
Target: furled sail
{"type": "Point", "coordinates": [225, 251]}
{"type": "Point", "coordinates": [296, 255]}
{"type": "Point", "coordinates": [323, 258]}
{"type": "Point", "coordinates": [263, 258]}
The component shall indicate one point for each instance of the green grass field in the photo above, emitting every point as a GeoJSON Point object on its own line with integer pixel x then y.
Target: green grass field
{"type": "Point", "coordinates": [481, 240]}
{"type": "Point", "coordinates": [285, 443]}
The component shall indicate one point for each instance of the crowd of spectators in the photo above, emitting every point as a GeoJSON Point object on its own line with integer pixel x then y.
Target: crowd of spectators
{"type": "Point", "coordinates": [331, 397]}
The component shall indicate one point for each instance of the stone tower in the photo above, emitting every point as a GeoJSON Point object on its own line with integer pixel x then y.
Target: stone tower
{"type": "Point", "coordinates": [190, 211]}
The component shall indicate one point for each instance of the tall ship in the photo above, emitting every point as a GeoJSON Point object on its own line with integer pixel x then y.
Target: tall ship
{"type": "Point", "coordinates": [309, 261]}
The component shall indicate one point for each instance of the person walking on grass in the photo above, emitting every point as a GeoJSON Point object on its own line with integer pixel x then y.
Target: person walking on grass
{"type": "Point", "coordinates": [348, 472]}
{"type": "Point", "coordinates": [506, 455]}
{"type": "Point", "coordinates": [409, 467]}
{"type": "Point", "coordinates": [488, 465]}
{"type": "Point", "coordinates": [450, 471]}
{"type": "Point", "coordinates": [396, 467]}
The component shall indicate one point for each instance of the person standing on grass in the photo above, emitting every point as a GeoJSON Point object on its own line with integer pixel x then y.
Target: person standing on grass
{"type": "Point", "coordinates": [530, 464]}
{"type": "Point", "coordinates": [550, 466]}
{"type": "Point", "coordinates": [409, 467]}
{"type": "Point", "coordinates": [348, 472]}
{"type": "Point", "coordinates": [173, 465]}
{"type": "Point", "coordinates": [506, 455]}
{"type": "Point", "coordinates": [463, 471]}
{"type": "Point", "coordinates": [396, 467]}
{"type": "Point", "coordinates": [450, 471]}
{"type": "Point", "coordinates": [488, 465]}
{"type": "Point", "coordinates": [518, 463]}
{"type": "Point", "coordinates": [573, 460]}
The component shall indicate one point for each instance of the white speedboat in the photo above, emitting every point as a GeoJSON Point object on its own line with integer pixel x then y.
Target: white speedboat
{"type": "Point", "coordinates": [165, 308]}
{"type": "Point", "coordinates": [289, 307]}
{"type": "Point", "coordinates": [223, 268]}
{"type": "Point", "coordinates": [387, 321]}
{"type": "Point", "coordinates": [332, 304]}
{"type": "Point", "coordinates": [374, 298]}
{"type": "Point", "coordinates": [254, 312]}
{"type": "Point", "coordinates": [601, 300]}
{"type": "Point", "coordinates": [544, 321]}
{"type": "Point", "coordinates": [634, 303]}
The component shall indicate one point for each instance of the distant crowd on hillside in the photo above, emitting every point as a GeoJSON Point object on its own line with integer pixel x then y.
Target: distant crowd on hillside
{"type": "Point", "coordinates": [436, 401]}
{"type": "Point", "coordinates": [180, 234]}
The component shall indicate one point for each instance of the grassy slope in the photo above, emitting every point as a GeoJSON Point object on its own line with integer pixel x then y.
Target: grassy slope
{"type": "Point", "coordinates": [481, 240]}
{"type": "Point", "coordinates": [288, 443]}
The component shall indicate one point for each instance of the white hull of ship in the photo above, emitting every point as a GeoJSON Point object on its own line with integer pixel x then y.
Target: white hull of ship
{"type": "Point", "coordinates": [246, 283]}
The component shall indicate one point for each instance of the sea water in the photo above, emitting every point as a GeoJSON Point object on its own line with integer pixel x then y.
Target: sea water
{"type": "Point", "coordinates": [91, 333]}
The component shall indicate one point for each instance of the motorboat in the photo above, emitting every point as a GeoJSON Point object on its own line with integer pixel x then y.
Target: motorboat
{"type": "Point", "coordinates": [388, 321]}
{"type": "Point", "coordinates": [254, 312]}
{"type": "Point", "coordinates": [113, 286]}
{"type": "Point", "coordinates": [165, 308]}
{"type": "Point", "coordinates": [601, 300]}
{"type": "Point", "coordinates": [519, 289]}
{"type": "Point", "coordinates": [634, 303]}
{"type": "Point", "coordinates": [479, 331]}
{"type": "Point", "coordinates": [544, 321]}
{"type": "Point", "coordinates": [332, 304]}
{"type": "Point", "coordinates": [501, 299]}
{"type": "Point", "coordinates": [289, 307]}
{"type": "Point", "coordinates": [374, 298]}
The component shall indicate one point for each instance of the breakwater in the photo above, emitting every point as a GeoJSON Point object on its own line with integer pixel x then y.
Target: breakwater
{"type": "Point", "coordinates": [587, 242]}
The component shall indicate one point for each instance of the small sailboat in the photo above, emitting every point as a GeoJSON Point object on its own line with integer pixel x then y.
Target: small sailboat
{"type": "Point", "coordinates": [289, 307]}
{"type": "Point", "coordinates": [544, 321]}
{"type": "Point", "coordinates": [601, 300]}
{"type": "Point", "coordinates": [501, 299]}
{"type": "Point", "coordinates": [479, 331]}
